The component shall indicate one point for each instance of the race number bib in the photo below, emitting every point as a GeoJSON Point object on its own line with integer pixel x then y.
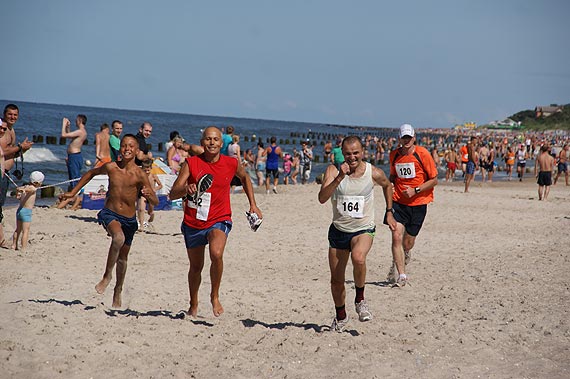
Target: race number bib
{"type": "Point", "coordinates": [202, 206]}
{"type": "Point", "coordinates": [352, 206]}
{"type": "Point", "coordinates": [406, 170]}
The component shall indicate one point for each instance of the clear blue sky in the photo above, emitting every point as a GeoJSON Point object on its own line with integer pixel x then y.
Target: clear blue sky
{"type": "Point", "coordinates": [379, 63]}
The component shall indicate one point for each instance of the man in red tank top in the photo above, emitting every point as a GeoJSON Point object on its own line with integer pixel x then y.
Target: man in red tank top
{"type": "Point", "coordinates": [204, 182]}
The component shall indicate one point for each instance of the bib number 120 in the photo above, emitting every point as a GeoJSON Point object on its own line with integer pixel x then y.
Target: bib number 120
{"type": "Point", "coordinates": [405, 171]}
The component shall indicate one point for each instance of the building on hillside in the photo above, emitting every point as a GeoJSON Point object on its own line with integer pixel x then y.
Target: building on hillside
{"type": "Point", "coordinates": [505, 124]}
{"type": "Point", "coordinates": [546, 111]}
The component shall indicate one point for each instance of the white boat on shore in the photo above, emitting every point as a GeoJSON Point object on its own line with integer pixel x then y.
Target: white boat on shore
{"type": "Point", "coordinates": [95, 191]}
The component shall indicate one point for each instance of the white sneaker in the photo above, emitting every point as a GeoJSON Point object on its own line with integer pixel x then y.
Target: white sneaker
{"type": "Point", "coordinates": [363, 311]}
{"type": "Point", "coordinates": [339, 325]}
{"type": "Point", "coordinates": [402, 281]}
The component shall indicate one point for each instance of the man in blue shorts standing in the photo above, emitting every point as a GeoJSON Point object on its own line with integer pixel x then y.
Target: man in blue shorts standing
{"type": "Point", "coordinates": [272, 164]}
{"type": "Point", "coordinates": [472, 162]}
{"type": "Point", "coordinates": [351, 233]}
{"type": "Point", "coordinates": [74, 157]}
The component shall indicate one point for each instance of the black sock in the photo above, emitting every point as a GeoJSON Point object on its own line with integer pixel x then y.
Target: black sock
{"type": "Point", "coordinates": [359, 294]}
{"type": "Point", "coordinates": [340, 312]}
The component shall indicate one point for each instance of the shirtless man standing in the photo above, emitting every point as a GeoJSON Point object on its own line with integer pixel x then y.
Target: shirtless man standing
{"type": "Point", "coordinates": [451, 161]}
{"type": "Point", "coordinates": [102, 147]}
{"type": "Point", "coordinates": [126, 181]}
{"type": "Point", "coordinates": [484, 161]}
{"type": "Point", "coordinates": [472, 162]}
{"type": "Point", "coordinates": [74, 157]}
{"type": "Point", "coordinates": [11, 150]}
{"type": "Point", "coordinates": [543, 167]}
{"type": "Point", "coordinates": [563, 163]}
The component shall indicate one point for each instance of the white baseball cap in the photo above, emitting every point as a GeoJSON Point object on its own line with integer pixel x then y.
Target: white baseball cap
{"type": "Point", "coordinates": [37, 177]}
{"type": "Point", "coordinates": [407, 130]}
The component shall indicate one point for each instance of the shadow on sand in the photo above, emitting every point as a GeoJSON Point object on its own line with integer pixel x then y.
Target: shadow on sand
{"type": "Point", "coordinates": [249, 323]}
{"type": "Point", "coordinates": [181, 315]}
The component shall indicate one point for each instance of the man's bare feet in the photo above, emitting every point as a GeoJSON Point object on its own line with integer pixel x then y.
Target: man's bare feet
{"type": "Point", "coordinates": [102, 285]}
{"type": "Point", "coordinates": [217, 307]}
{"type": "Point", "coordinates": [117, 300]}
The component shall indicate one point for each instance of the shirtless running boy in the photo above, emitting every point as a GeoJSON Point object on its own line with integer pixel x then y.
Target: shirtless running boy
{"type": "Point", "coordinates": [126, 180]}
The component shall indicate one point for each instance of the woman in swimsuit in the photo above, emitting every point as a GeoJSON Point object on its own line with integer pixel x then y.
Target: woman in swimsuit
{"type": "Point", "coordinates": [176, 154]}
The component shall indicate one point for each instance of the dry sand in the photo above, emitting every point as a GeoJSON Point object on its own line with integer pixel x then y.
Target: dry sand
{"type": "Point", "coordinates": [489, 296]}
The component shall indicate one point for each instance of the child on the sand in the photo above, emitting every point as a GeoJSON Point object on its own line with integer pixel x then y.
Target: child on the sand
{"type": "Point", "coordinates": [156, 185]}
{"type": "Point", "coordinates": [27, 196]}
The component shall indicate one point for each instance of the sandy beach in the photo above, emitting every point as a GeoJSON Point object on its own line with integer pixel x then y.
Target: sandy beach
{"type": "Point", "coordinates": [489, 295]}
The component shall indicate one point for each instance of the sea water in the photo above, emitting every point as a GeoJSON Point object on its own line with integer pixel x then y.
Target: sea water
{"type": "Point", "coordinates": [45, 120]}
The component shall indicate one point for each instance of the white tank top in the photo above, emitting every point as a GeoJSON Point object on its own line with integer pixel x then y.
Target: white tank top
{"type": "Point", "coordinates": [353, 203]}
{"type": "Point", "coordinates": [232, 150]}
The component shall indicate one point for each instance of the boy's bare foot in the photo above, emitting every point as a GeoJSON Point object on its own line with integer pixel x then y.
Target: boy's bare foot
{"type": "Point", "coordinates": [193, 311]}
{"type": "Point", "coordinates": [217, 307]}
{"type": "Point", "coordinates": [151, 217]}
{"type": "Point", "coordinates": [102, 285]}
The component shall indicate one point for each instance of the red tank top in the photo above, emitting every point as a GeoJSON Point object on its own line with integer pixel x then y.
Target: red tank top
{"type": "Point", "coordinates": [214, 206]}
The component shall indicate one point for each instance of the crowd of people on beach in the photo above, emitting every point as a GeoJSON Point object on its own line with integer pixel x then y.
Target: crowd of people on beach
{"type": "Point", "coordinates": [208, 173]}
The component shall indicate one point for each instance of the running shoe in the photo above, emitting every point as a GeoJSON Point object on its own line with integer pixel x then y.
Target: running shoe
{"type": "Point", "coordinates": [274, 190]}
{"type": "Point", "coordinates": [392, 276]}
{"type": "Point", "coordinates": [204, 184]}
{"type": "Point", "coordinates": [401, 282]}
{"type": "Point", "coordinates": [254, 220]}
{"type": "Point", "coordinates": [364, 313]}
{"type": "Point", "coordinates": [407, 257]}
{"type": "Point", "coordinates": [339, 325]}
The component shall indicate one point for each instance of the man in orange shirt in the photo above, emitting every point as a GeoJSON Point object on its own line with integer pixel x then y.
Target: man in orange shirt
{"type": "Point", "coordinates": [463, 152]}
{"type": "Point", "coordinates": [414, 175]}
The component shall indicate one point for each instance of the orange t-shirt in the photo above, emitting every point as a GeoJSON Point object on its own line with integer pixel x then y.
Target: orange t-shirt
{"type": "Point", "coordinates": [510, 158]}
{"type": "Point", "coordinates": [409, 172]}
{"type": "Point", "coordinates": [464, 154]}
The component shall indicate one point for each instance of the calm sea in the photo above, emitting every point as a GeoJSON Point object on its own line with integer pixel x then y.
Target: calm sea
{"type": "Point", "coordinates": [37, 119]}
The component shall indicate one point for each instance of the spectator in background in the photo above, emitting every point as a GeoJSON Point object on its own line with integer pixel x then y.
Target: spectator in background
{"type": "Point", "coordinates": [176, 154]}
{"type": "Point", "coordinates": [306, 161]}
{"type": "Point", "coordinates": [509, 158]}
{"type": "Point", "coordinates": [11, 151]}
{"type": "Point", "coordinates": [74, 157]}
{"type": "Point", "coordinates": [102, 147]}
{"type": "Point", "coordinates": [336, 154]}
{"type": "Point", "coordinates": [260, 163]}
{"type": "Point", "coordinates": [144, 153]}
{"type": "Point", "coordinates": [170, 142]}
{"type": "Point", "coordinates": [272, 165]}
{"type": "Point", "coordinates": [115, 139]}
{"type": "Point", "coordinates": [227, 139]}
{"type": "Point", "coordinates": [563, 163]}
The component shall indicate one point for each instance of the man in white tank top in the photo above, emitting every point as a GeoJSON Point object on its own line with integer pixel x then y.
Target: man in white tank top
{"type": "Point", "coordinates": [351, 190]}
